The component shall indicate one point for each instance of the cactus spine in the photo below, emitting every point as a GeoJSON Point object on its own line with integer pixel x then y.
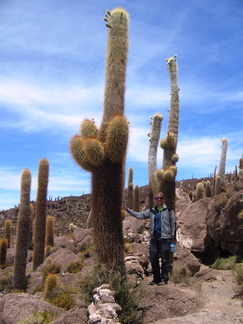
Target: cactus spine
{"type": "Point", "coordinates": [104, 152]}
{"type": "Point", "coordinates": [167, 174]}
{"type": "Point", "coordinates": [152, 157]}
{"type": "Point", "coordinates": [220, 178]}
{"type": "Point", "coordinates": [7, 230]}
{"type": "Point", "coordinates": [130, 188]}
{"type": "Point", "coordinates": [40, 218]}
{"type": "Point", "coordinates": [23, 228]}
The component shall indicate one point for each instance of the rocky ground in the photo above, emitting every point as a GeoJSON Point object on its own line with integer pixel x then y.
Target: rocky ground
{"type": "Point", "coordinates": [221, 306]}
{"type": "Point", "coordinates": [174, 303]}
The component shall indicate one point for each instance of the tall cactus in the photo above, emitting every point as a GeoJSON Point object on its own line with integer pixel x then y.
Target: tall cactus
{"type": "Point", "coordinates": [220, 178]}
{"type": "Point", "coordinates": [167, 174]}
{"type": "Point", "coordinates": [152, 156]}
{"type": "Point", "coordinates": [102, 151]}
{"type": "Point", "coordinates": [23, 228]}
{"type": "Point", "coordinates": [40, 218]}
{"type": "Point", "coordinates": [130, 188]}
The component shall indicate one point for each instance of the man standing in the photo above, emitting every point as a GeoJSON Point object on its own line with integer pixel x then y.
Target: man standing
{"type": "Point", "coordinates": [162, 232]}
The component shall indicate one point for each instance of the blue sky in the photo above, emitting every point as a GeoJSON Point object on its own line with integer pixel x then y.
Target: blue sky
{"type": "Point", "coordinates": [52, 72]}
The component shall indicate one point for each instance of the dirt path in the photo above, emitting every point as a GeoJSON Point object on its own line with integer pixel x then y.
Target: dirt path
{"type": "Point", "coordinates": [221, 308]}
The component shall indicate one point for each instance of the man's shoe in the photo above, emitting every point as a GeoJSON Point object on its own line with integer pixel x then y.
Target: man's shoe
{"type": "Point", "coordinates": [162, 283]}
{"type": "Point", "coordinates": [152, 283]}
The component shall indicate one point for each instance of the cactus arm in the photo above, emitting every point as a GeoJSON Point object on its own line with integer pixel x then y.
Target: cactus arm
{"type": "Point", "coordinates": [152, 154]}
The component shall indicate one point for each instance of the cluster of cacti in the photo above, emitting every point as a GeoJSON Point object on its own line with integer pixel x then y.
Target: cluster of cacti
{"type": "Point", "coordinates": [166, 175]}
{"type": "Point", "coordinates": [220, 178]}
{"type": "Point", "coordinates": [23, 228]}
{"type": "Point", "coordinates": [102, 151]}
{"type": "Point", "coordinates": [136, 200]}
{"type": "Point", "coordinates": [40, 217]}
{"type": "Point", "coordinates": [152, 156]}
{"type": "Point", "coordinates": [3, 250]}
{"type": "Point", "coordinates": [130, 188]}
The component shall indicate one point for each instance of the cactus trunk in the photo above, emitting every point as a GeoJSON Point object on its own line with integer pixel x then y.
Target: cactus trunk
{"type": "Point", "coordinates": [40, 218]}
{"type": "Point", "coordinates": [106, 202]}
{"type": "Point", "coordinates": [23, 228]}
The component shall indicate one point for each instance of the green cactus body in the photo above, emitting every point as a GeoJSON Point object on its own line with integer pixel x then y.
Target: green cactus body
{"type": "Point", "coordinates": [130, 188]}
{"type": "Point", "coordinates": [199, 191]}
{"type": "Point", "coordinates": [208, 189]}
{"type": "Point", "coordinates": [23, 229]}
{"type": "Point", "coordinates": [152, 156]}
{"type": "Point", "coordinates": [88, 129]}
{"type": "Point", "coordinates": [108, 173]}
{"type": "Point", "coordinates": [3, 250]}
{"type": "Point", "coordinates": [94, 151]}
{"type": "Point", "coordinates": [136, 199]}
{"type": "Point", "coordinates": [40, 218]}
{"type": "Point", "coordinates": [7, 230]}
{"type": "Point", "coordinates": [78, 153]}
{"type": "Point", "coordinates": [50, 285]}
{"type": "Point", "coordinates": [116, 139]}
{"type": "Point", "coordinates": [169, 144]}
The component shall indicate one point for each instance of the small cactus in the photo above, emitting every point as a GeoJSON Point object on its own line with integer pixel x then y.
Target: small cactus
{"type": "Point", "coordinates": [50, 284]}
{"type": "Point", "coordinates": [208, 189]}
{"type": "Point", "coordinates": [199, 191]}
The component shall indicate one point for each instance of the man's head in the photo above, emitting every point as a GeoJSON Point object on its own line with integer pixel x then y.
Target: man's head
{"type": "Point", "coordinates": [159, 199]}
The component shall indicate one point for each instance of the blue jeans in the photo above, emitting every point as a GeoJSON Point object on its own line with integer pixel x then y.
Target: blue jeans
{"type": "Point", "coordinates": [160, 248]}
